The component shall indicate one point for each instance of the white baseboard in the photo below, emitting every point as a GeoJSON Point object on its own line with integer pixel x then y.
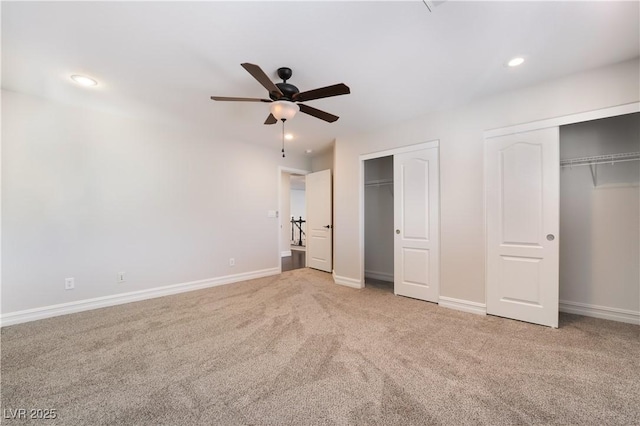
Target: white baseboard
{"type": "Point", "coordinates": [463, 305]}
{"type": "Point", "coordinates": [134, 296]}
{"type": "Point", "coordinates": [603, 312]}
{"type": "Point", "coordinates": [376, 275]}
{"type": "Point", "coordinates": [285, 253]}
{"type": "Point", "coordinates": [349, 282]}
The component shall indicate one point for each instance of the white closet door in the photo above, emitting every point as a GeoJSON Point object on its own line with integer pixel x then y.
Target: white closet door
{"type": "Point", "coordinates": [522, 189]}
{"type": "Point", "coordinates": [416, 217]}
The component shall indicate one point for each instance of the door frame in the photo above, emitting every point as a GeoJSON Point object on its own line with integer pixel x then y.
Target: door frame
{"type": "Point", "coordinates": [290, 170]}
{"type": "Point", "coordinates": [564, 120]}
{"type": "Point", "coordinates": [377, 154]}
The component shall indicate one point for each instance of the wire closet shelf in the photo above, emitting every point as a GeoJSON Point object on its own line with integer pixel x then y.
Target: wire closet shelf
{"type": "Point", "coordinates": [600, 159]}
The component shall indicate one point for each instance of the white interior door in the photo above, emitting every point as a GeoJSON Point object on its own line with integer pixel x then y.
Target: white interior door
{"type": "Point", "coordinates": [522, 189]}
{"type": "Point", "coordinates": [319, 220]}
{"type": "Point", "coordinates": [416, 218]}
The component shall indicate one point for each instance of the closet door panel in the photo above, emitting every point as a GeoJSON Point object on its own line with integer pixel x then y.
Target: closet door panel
{"type": "Point", "coordinates": [522, 207]}
{"type": "Point", "coordinates": [521, 181]}
{"type": "Point", "coordinates": [416, 218]}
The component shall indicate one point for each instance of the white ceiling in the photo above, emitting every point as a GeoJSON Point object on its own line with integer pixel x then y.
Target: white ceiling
{"type": "Point", "coordinates": [162, 60]}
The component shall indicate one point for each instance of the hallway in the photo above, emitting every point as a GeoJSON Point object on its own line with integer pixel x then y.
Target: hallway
{"type": "Point", "coordinates": [295, 261]}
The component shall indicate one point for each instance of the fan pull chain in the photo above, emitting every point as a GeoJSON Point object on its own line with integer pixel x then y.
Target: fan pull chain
{"type": "Point", "coordinates": [282, 138]}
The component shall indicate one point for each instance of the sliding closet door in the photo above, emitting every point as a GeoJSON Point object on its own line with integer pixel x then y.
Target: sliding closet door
{"type": "Point", "coordinates": [522, 190]}
{"type": "Point", "coordinates": [416, 217]}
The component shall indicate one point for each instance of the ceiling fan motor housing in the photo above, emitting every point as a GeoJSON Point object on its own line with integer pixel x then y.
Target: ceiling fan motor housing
{"type": "Point", "coordinates": [288, 90]}
{"type": "Point", "coordinates": [285, 73]}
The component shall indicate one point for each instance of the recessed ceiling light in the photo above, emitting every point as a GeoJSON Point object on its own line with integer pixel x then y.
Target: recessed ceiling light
{"type": "Point", "coordinates": [288, 136]}
{"type": "Point", "coordinates": [516, 61]}
{"type": "Point", "coordinates": [84, 81]}
{"type": "Point", "coordinates": [309, 151]}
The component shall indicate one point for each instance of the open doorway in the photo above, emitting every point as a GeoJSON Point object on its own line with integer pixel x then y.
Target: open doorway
{"type": "Point", "coordinates": [378, 223]}
{"type": "Point", "coordinates": [293, 237]}
{"type": "Point", "coordinates": [600, 218]}
{"type": "Point", "coordinates": [531, 199]}
{"type": "Point", "coordinates": [400, 211]}
{"type": "Point", "coordinates": [297, 224]}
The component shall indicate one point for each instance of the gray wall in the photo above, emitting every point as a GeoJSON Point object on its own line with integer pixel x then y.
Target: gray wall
{"type": "Point", "coordinates": [285, 214]}
{"type": "Point", "coordinates": [600, 225]}
{"type": "Point", "coordinates": [460, 132]}
{"type": "Point", "coordinates": [298, 209]}
{"type": "Point", "coordinates": [87, 194]}
{"type": "Point", "coordinates": [323, 160]}
{"type": "Point", "coordinates": [298, 203]}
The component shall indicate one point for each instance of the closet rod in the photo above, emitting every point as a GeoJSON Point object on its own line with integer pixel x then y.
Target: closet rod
{"type": "Point", "coordinates": [600, 159]}
{"type": "Point", "coordinates": [380, 182]}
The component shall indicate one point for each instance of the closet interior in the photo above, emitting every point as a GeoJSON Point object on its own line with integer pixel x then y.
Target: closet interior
{"type": "Point", "coordinates": [600, 218]}
{"type": "Point", "coordinates": [378, 222]}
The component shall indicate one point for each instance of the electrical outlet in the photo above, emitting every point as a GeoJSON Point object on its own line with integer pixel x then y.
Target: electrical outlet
{"type": "Point", "coordinates": [69, 283]}
{"type": "Point", "coordinates": [121, 277]}
{"type": "Point", "coordinates": [232, 262]}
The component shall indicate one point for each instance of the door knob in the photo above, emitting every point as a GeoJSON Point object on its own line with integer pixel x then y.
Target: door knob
{"type": "Point", "coordinates": [551, 237]}
{"type": "Point", "coordinates": [327, 226]}
{"type": "Point", "coordinates": [397, 231]}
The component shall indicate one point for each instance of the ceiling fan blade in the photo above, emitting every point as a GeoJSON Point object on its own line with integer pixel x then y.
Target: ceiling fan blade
{"type": "Point", "coordinates": [262, 78]}
{"type": "Point", "coordinates": [223, 98]}
{"type": "Point", "coordinates": [323, 92]}
{"type": "Point", "coordinates": [318, 113]}
{"type": "Point", "coordinates": [271, 119]}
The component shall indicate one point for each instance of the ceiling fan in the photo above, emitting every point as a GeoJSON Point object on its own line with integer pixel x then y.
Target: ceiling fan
{"type": "Point", "coordinates": [285, 98]}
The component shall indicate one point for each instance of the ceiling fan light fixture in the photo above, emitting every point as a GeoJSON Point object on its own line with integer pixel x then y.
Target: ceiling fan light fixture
{"type": "Point", "coordinates": [284, 110]}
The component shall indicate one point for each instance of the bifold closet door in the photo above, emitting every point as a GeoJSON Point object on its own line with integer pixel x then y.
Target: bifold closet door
{"type": "Point", "coordinates": [522, 207]}
{"type": "Point", "coordinates": [416, 218]}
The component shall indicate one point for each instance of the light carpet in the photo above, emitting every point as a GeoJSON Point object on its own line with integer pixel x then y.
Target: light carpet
{"type": "Point", "coordinates": [297, 349]}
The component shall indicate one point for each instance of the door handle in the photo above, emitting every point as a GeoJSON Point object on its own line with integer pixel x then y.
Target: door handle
{"type": "Point", "coordinates": [397, 231]}
{"type": "Point", "coordinates": [551, 237]}
{"type": "Point", "coordinates": [327, 226]}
